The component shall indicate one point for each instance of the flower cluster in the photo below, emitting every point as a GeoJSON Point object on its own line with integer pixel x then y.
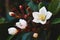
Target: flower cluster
{"type": "Point", "coordinates": [22, 24]}
{"type": "Point", "coordinates": [39, 17]}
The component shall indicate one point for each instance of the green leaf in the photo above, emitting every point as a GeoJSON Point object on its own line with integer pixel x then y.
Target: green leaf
{"type": "Point", "coordinates": [19, 36]}
{"type": "Point", "coordinates": [26, 35]}
{"type": "Point", "coordinates": [58, 8]}
{"type": "Point", "coordinates": [33, 6]}
{"type": "Point", "coordinates": [58, 38]}
{"type": "Point", "coordinates": [10, 37]}
{"type": "Point", "coordinates": [54, 6]}
{"type": "Point", "coordinates": [40, 5]}
{"type": "Point", "coordinates": [55, 21]}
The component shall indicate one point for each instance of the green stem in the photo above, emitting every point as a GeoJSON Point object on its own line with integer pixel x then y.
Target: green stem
{"type": "Point", "coordinates": [10, 37]}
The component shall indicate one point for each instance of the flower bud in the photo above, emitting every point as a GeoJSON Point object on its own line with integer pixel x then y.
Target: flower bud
{"type": "Point", "coordinates": [11, 13]}
{"type": "Point", "coordinates": [35, 35]}
{"type": "Point", "coordinates": [12, 31]}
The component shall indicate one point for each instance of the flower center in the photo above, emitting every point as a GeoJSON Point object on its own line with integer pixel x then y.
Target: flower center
{"type": "Point", "coordinates": [42, 17]}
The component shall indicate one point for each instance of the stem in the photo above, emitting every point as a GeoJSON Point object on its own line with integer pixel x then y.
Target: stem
{"type": "Point", "coordinates": [10, 37]}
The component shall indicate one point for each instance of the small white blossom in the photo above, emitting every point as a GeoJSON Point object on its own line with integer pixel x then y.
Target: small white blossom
{"type": "Point", "coordinates": [42, 16]}
{"type": "Point", "coordinates": [22, 24]}
{"type": "Point", "coordinates": [35, 35]}
{"type": "Point", "coordinates": [12, 31]}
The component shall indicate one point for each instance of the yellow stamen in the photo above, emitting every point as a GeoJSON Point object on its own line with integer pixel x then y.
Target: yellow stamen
{"type": "Point", "coordinates": [42, 17]}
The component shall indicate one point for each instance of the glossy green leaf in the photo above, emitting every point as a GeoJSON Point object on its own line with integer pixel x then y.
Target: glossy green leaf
{"type": "Point", "coordinates": [19, 36]}
{"type": "Point", "coordinates": [40, 5]}
{"type": "Point", "coordinates": [29, 37]}
{"type": "Point", "coordinates": [54, 6]}
{"type": "Point", "coordinates": [58, 8]}
{"type": "Point", "coordinates": [33, 6]}
{"type": "Point", "coordinates": [26, 35]}
{"type": "Point", "coordinates": [56, 21]}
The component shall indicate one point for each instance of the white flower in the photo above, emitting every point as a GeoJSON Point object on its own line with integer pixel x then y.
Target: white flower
{"type": "Point", "coordinates": [42, 16]}
{"type": "Point", "coordinates": [22, 24]}
{"type": "Point", "coordinates": [11, 13]}
{"type": "Point", "coordinates": [35, 35]}
{"type": "Point", "coordinates": [12, 31]}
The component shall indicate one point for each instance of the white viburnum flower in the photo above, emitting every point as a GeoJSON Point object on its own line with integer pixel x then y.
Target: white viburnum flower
{"type": "Point", "coordinates": [12, 31]}
{"type": "Point", "coordinates": [42, 16]}
{"type": "Point", "coordinates": [22, 24]}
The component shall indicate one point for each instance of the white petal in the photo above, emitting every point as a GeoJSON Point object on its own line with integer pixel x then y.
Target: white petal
{"type": "Point", "coordinates": [49, 14]}
{"type": "Point", "coordinates": [22, 27]}
{"type": "Point", "coordinates": [43, 10]}
{"type": "Point", "coordinates": [17, 24]}
{"type": "Point", "coordinates": [23, 22]}
{"type": "Point", "coordinates": [12, 31]}
{"type": "Point", "coordinates": [35, 20]}
{"type": "Point", "coordinates": [42, 22]}
{"type": "Point", "coordinates": [20, 20]}
{"type": "Point", "coordinates": [35, 15]}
